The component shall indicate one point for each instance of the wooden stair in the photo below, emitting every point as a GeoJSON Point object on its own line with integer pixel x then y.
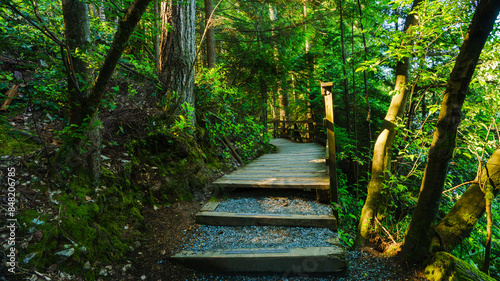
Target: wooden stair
{"type": "Point", "coordinates": [295, 166]}
{"type": "Point", "coordinates": [208, 217]}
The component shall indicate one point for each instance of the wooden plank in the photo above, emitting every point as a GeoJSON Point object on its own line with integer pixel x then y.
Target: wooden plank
{"type": "Point", "coordinates": [264, 173]}
{"type": "Point", "coordinates": [296, 165]}
{"type": "Point", "coordinates": [210, 206]}
{"type": "Point", "coordinates": [275, 184]}
{"type": "Point", "coordinates": [279, 168]}
{"type": "Point", "coordinates": [276, 178]}
{"type": "Point", "coordinates": [243, 219]}
{"type": "Point", "coordinates": [300, 260]}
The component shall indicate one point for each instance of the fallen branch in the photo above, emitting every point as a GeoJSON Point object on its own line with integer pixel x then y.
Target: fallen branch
{"type": "Point", "coordinates": [385, 230]}
{"type": "Point", "coordinates": [11, 94]}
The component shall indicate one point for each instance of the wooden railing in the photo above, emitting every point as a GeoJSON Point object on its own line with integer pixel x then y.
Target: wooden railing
{"type": "Point", "coordinates": [311, 131]}
{"type": "Point", "coordinates": [331, 161]}
{"type": "Point", "coordinates": [301, 131]}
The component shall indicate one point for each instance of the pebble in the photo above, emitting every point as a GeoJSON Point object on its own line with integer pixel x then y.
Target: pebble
{"type": "Point", "coordinates": [211, 238]}
{"type": "Point", "coordinates": [273, 205]}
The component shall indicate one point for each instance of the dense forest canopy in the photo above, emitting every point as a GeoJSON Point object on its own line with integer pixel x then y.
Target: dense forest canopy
{"type": "Point", "coordinates": [113, 106]}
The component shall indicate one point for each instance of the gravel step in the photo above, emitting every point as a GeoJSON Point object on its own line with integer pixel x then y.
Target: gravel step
{"type": "Point", "coordinates": [243, 219]}
{"type": "Point", "coordinates": [212, 237]}
{"type": "Point", "coordinates": [296, 260]}
{"type": "Point", "coordinates": [270, 205]}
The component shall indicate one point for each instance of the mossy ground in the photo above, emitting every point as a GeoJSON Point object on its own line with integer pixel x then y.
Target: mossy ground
{"type": "Point", "coordinates": [100, 223]}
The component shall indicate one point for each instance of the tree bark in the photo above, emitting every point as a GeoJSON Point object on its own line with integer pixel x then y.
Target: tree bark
{"type": "Point", "coordinates": [84, 153]}
{"type": "Point", "coordinates": [177, 54]}
{"type": "Point", "coordinates": [157, 36]}
{"type": "Point", "coordinates": [282, 94]}
{"type": "Point", "coordinates": [344, 71]}
{"type": "Point", "coordinates": [421, 231]}
{"type": "Point", "coordinates": [211, 58]}
{"type": "Point", "coordinates": [375, 204]}
{"type": "Point", "coordinates": [445, 267]}
{"type": "Point", "coordinates": [461, 219]}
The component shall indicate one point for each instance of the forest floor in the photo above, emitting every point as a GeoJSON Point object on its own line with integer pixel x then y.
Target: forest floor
{"type": "Point", "coordinates": [167, 227]}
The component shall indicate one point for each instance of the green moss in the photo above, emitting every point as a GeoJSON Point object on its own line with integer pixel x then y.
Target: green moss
{"type": "Point", "coordinates": [12, 142]}
{"type": "Point", "coordinates": [443, 266]}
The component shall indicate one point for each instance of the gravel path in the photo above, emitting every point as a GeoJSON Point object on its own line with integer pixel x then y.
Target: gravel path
{"type": "Point", "coordinates": [209, 238]}
{"type": "Point", "coordinates": [273, 205]}
{"type": "Point", "coordinates": [363, 265]}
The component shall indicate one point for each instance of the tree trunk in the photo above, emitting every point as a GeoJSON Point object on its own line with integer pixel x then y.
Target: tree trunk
{"type": "Point", "coordinates": [489, 225]}
{"type": "Point", "coordinates": [157, 36]}
{"type": "Point", "coordinates": [421, 231]}
{"type": "Point", "coordinates": [83, 153]}
{"type": "Point", "coordinates": [177, 54]}
{"type": "Point", "coordinates": [445, 267]}
{"type": "Point", "coordinates": [375, 204]}
{"type": "Point", "coordinates": [211, 59]}
{"type": "Point", "coordinates": [344, 71]}
{"type": "Point", "coordinates": [462, 218]}
{"type": "Point", "coordinates": [365, 79]}
{"type": "Point", "coordinates": [282, 95]}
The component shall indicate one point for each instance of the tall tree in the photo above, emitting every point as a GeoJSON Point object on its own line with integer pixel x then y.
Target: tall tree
{"type": "Point", "coordinates": [420, 232]}
{"type": "Point", "coordinates": [211, 59]}
{"type": "Point", "coordinates": [86, 154]}
{"type": "Point", "coordinates": [375, 204]}
{"type": "Point", "coordinates": [83, 150]}
{"type": "Point", "coordinates": [282, 94]}
{"type": "Point", "coordinates": [177, 55]}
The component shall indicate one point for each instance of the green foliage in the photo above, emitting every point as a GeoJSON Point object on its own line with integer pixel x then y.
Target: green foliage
{"type": "Point", "coordinates": [223, 110]}
{"type": "Point", "coordinates": [349, 212]}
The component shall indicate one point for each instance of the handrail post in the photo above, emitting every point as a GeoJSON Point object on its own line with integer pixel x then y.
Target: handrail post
{"type": "Point", "coordinates": [326, 91]}
{"type": "Point", "coordinates": [310, 130]}
{"type": "Point", "coordinates": [275, 128]}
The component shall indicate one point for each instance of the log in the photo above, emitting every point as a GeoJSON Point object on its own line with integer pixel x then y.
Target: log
{"type": "Point", "coordinates": [11, 94]}
{"type": "Point", "coordinates": [443, 266]}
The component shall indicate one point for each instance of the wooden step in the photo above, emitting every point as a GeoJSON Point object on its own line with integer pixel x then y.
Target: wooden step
{"type": "Point", "coordinates": [299, 183]}
{"type": "Point", "coordinates": [295, 260]}
{"type": "Point", "coordinates": [244, 219]}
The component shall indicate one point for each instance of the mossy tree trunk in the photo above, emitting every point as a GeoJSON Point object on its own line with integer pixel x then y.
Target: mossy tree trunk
{"type": "Point", "coordinates": [83, 151]}
{"type": "Point", "coordinates": [443, 267]}
{"type": "Point", "coordinates": [177, 54]}
{"type": "Point", "coordinates": [461, 219]}
{"type": "Point", "coordinates": [420, 232]}
{"type": "Point", "coordinates": [375, 205]}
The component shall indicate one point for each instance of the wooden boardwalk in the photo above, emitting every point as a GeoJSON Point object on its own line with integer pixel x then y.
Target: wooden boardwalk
{"type": "Point", "coordinates": [295, 165]}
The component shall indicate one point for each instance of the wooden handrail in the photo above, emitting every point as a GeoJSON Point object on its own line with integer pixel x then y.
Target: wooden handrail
{"type": "Point", "coordinates": [326, 91]}
{"type": "Point", "coordinates": [298, 130]}
{"type": "Point", "coordinates": [290, 129]}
